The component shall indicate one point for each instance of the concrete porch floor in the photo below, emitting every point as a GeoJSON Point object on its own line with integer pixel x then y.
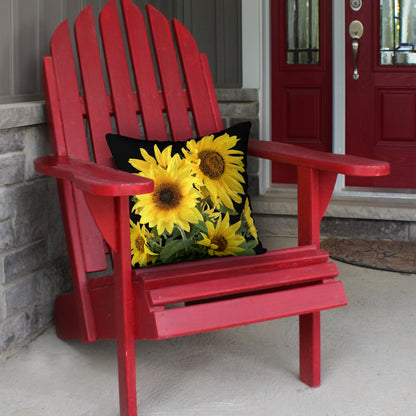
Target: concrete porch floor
{"type": "Point", "coordinates": [368, 365]}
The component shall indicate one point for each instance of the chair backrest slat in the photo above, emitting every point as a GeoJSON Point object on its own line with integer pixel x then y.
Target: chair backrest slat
{"type": "Point", "coordinates": [211, 93]}
{"type": "Point", "coordinates": [75, 140]}
{"type": "Point", "coordinates": [67, 87]}
{"type": "Point", "coordinates": [124, 101]}
{"type": "Point", "coordinates": [195, 79]}
{"type": "Point", "coordinates": [56, 131]}
{"type": "Point", "coordinates": [94, 86]}
{"type": "Point", "coordinates": [170, 77]}
{"type": "Point", "coordinates": [144, 73]}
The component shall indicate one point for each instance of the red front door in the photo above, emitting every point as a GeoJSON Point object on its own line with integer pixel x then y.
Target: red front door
{"type": "Point", "coordinates": [301, 39]}
{"type": "Point", "coordinates": [381, 103]}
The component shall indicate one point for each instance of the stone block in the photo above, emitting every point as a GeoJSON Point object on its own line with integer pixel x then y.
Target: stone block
{"type": "Point", "coordinates": [20, 294]}
{"type": "Point", "coordinates": [253, 185]}
{"type": "Point", "coordinates": [6, 235]}
{"type": "Point", "coordinates": [56, 233]}
{"type": "Point", "coordinates": [24, 260]}
{"type": "Point", "coordinates": [252, 165]}
{"type": "Point", "coordinates": [366, 229]}
{"type": "Point", "coordinates": [286, 226]}
{"type": "Point", "coordinates": [237, 94]}
{"type": "Point", "coordinates": [12, 168]}
{"type": "Point", "coordinates": [254, 131]}
{"type": "Point", "coordinates": [51, 282]}
{"type": "Point", "coordinates": [46, 313]}
{"type": "Point", "coordinates": [16, 328]}
{"type": "Point", "coordinates": [7, 203]}
{"type": "Point", "coordinates": [244, 109]}
{"type": "Point", "coordinates": [31, 205]}
{"type": "Point", "coordinates": [36, 142]}
{"type": "Point", "coordinates": [11, 140]}
{"type": "Point", "coordinates": [22, 114]}
{"type": "Point", "coordinates": [412, 231]}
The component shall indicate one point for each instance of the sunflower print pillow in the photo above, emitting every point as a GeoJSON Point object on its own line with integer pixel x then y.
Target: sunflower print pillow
{"type": "Point", "coordinates": [199, 207]}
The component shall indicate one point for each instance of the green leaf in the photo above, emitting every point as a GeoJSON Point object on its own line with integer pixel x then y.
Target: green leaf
{"type": "Point", "coordinates": [175, 233]}
{"type": "Point", "coordinates": [154, 231]}
{"type": "Point", "coordinates": [201, 227]}
{"type": "Point", "coordinates": [173, 249]}
{"type": "Point", "coordinates": [251, 244]}
{"type": "Point", "coordinates": [247, 252]}
{"type": "Point", "coordinates": [225, 210]}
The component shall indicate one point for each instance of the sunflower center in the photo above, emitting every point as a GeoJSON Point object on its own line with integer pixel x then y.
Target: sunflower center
{"type": "Point", "coordinates": [220, 241]}
{"type": "Point", "coordinates": [212, 164]}
{"type": "Point", "coordinates": [167, 196]}
{"type": "Point", "coordinates": [140, 243]}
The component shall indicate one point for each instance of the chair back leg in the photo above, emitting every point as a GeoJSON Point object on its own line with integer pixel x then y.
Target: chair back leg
{"type": "Point", "coordinates": [310, 348]}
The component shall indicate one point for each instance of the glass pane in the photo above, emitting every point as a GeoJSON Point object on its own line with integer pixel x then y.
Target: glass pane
{"type": "Point", "coordinates": [303, 32]}
{"type": "Point", "coordinates": [397, 32]}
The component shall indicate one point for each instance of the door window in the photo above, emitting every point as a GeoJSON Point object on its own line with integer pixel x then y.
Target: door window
{"type": "Point", "coordinates": [397, 32]}
{"type": "Point", "coordinates": [303, 32]}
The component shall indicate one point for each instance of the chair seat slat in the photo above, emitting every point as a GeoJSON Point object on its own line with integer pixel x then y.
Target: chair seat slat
{"type": "Point", "coordinates": [251, 309]}
{"type": "Point", "coordinates": [206, 269]}
{"type": "Point", "coordinates": [209, 268]}
{"type": "Point", "coordinates": [231, 284]}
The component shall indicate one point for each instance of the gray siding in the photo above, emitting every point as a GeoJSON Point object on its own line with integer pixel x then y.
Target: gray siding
{"type": "Point", "coordinates": [26, 27]}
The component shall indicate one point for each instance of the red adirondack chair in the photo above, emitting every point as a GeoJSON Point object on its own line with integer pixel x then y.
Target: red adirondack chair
{"type": "Point", "coordinates": [131, 304]}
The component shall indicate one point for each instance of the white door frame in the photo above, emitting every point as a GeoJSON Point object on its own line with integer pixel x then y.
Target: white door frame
{"type": "Point", "coordinates": [256, 74]}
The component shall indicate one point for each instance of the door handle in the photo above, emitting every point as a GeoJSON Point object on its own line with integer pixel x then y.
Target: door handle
{"type": "Point", "coordinates": [356, 30]}
{"type": "Point", "coordinates": [355, 45]}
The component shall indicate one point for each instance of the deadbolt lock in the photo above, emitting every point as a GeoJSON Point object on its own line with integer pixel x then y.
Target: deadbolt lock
{"type": "Point", "coordinates": [356, 5]}
{"type": "Point", "coordinates": [356, 29]}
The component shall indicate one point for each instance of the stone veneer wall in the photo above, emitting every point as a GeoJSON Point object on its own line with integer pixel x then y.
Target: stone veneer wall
{"type": "Point", "coordinates": [33, 261]}
{"type": "Point", "coordinates": [237, 105]}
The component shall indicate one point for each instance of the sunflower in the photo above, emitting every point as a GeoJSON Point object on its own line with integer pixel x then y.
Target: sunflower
{"type": "Point", "coordinates": [249, 220]}
{"type": "Point", "coordinates": [173, 201]}
{"type": "Point", "coordinates": [217, 166]}
{"type": "Point", "coordinates": [212, 213]}
{"type": "Point", "coordinates": [161, 159]}
{"type": "Point", "coordinates": [139, 250]}
{"type": "Point", "coordinates": [222, 239]}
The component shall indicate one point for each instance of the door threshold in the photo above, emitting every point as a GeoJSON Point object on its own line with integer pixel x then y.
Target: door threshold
{"type": "Point", "coordinates": [283, 201]}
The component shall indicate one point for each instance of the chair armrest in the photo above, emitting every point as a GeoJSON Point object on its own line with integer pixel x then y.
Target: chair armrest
{"type": "Point", "coordinates": [330, 162]}
{"type": "Point", "coordinates": [92, 178]}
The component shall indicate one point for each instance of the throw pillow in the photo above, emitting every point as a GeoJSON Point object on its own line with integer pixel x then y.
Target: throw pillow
{"type": "Point", "coordinates": [199, 207]}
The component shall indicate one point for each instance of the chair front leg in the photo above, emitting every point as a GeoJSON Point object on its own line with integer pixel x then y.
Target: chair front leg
{"type": "Point", "coordinates": [124, 308]}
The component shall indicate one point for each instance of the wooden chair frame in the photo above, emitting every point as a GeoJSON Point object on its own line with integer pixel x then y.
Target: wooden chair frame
{"type": "Point", "coordinates": [131, 304]}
